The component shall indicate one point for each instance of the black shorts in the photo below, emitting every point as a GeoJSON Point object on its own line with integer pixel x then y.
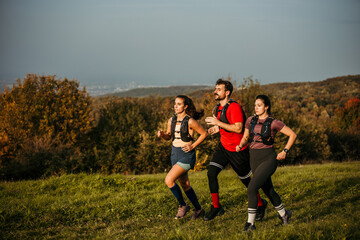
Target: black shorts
{"type": "Point", "coordinates": [239, 161]}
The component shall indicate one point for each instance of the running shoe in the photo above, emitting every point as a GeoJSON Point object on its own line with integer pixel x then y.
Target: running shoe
{"type": "Point", "coordinates": [248, 227]}
{"type": "Point", "coordinates": [260, 212]}
{"type": "Point", "coordinates": [197, 213]}
{"type": "Point", "coordinates": [286, 218]}
{"type": "Point", "coordinates": [182, 211]}
{"type": "Point", "coordinates": [213, 213]}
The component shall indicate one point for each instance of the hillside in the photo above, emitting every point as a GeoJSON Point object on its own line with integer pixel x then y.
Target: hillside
{"type": "Point", "coordinates": [324, 200]}
{"type": "Point", "coordinates": [332, 91]}
{"type": "Point", "coordinates": [159, 91]}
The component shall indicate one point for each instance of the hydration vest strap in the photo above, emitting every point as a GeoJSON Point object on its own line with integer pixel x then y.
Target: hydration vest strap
{"type": "Point", "coordinates": [265, 130]}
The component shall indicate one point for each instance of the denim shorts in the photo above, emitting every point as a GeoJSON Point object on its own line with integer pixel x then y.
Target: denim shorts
{"type": "Point", "coordinates": [185, 160]}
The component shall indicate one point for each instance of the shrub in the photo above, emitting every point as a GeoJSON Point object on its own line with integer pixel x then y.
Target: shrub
{"type": "Point", "coordinates": [41, 110]}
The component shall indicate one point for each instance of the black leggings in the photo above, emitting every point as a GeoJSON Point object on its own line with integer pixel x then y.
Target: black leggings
{"type": "Point", "coordinates": [263, 164]}
{"type": "Point", "coordinates": [239, 161]}
{"type": "Point", "coordinates": [213, 173]}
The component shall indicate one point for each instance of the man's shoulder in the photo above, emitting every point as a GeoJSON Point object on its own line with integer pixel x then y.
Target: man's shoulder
{"type": "Point", "coordinates": [234, 106]}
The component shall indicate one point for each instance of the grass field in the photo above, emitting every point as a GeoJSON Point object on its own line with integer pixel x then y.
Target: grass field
{"type": "Point", "coordinates": [325, 200]}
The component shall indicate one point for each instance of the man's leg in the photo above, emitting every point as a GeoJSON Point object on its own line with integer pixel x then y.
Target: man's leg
{"type": "Point", "coordinates": [217, 163]}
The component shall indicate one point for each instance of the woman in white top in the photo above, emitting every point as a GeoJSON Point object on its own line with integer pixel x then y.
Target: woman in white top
{"type": "Point", "coordinates": [181, 128]}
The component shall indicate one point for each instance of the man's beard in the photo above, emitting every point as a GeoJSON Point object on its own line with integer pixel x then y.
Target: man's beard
{"type": "Point", "coordinates": [218, 98]}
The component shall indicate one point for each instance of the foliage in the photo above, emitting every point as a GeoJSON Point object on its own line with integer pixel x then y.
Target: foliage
{"type": "Point", "coordinates": [344, 137]}
{"type": "Point", "coordinates": [323, 198]}
{"type": "Point", "coordinates": [348, 116]}
{"type": "Point", "coordinates": [125, 137]}
{"type": "Point", "coordinates": [312, 144]}
{"type": "Point", "coordinates": [41, 113]}
{"type": "Point", "coordinates": [50, 127]}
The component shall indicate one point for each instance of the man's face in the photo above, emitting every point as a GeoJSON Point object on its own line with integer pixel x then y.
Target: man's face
{"type": "Point", "coordinates": [220, 93]}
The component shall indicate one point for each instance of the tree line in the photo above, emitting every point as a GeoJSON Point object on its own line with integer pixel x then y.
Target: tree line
{"type": "Point", "coordinates": [49, 126]}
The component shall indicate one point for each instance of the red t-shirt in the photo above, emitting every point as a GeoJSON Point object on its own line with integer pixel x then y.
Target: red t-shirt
{"type": "Point", "coordinates": [234, 115]}
{"type": "Point", "coordinates": [276, 126]}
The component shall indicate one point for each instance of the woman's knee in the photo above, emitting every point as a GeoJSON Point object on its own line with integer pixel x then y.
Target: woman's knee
{"type": "Point", "coordinates": [169, 181]}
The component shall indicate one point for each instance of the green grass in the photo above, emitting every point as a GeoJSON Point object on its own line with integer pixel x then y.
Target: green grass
{"type": "Point", "coordinates": [325, 200]}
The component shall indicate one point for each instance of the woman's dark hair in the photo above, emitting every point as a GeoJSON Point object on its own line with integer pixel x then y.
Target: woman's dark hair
{"type": "Point", "coordinates": [191, 109]}
{"type": "Point", "coordinates": [266, 101]}
{"type": "Point", "coordinates": [228, 85]}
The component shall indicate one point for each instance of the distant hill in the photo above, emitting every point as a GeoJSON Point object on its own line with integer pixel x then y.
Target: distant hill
{"type": "Point", "coordinates": [337, 89]}
{"type": "Point", "coordinates": [333, 91]}
{"type": "Point", "coordinates": [160, 91]}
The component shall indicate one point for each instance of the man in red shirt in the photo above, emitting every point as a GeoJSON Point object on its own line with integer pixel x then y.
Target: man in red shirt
{"type": "Point", "coordinates": [228, 119]}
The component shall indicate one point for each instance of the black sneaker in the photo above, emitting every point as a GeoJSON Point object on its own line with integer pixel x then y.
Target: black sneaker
{"type": "Point", "coordinates": [213, 213]}
{"type": "Point", "coordinates": [260, 211]}
{"type": "Point", "coordinates": [248, 227]}
{"type": "Point", "coordinates": [286, 218]}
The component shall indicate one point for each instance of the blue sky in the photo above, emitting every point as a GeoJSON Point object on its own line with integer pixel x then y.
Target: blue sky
{"type": "Point", "coordinates": [129, 43]}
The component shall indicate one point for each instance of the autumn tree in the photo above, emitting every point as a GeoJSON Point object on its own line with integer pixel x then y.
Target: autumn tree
{"type": "Point", "coordinates": [41, 119]}
{"type": "Point", "coordinates": [344, 136]}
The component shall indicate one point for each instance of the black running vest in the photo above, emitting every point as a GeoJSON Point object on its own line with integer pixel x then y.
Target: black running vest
{"type": "Point", "coordinates": [265, 130]}
{"type": "Point", "coordinates": [223, 117]}
{"type": "Point", "coordinates": [184, 128]}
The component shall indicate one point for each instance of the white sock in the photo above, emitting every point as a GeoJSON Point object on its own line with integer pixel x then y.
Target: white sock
{"type": "Point", "coordinates": [281, 210]}
{"type": "Point", "coordinates": [251, 215]}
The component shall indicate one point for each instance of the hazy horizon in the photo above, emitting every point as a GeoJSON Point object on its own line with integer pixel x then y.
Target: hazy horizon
{"type": "Point", "coordinates": [126, 44]}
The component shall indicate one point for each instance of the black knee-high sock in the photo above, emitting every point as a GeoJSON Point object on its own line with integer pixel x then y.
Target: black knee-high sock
{"type": "Point", "coordinates": [192, 197]}
{"type": "Point", "coordinates": [177, 193]}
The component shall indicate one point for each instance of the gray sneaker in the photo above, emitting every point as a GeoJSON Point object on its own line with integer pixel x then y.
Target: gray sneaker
{"type": "Point", "coordinates": [197, 213]}
{"type": "Point", "coordinates": [286, 218]}
{"type": "Point", "coordinates": [182, 211]}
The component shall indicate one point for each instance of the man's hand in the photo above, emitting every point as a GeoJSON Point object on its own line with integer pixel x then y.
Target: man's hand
{"type": "Point", "coordinates": [238, 148]}
{"type": "Point", "coordinates": [212, 121]}
{"type": "Point", "coordinates": [213, 130]}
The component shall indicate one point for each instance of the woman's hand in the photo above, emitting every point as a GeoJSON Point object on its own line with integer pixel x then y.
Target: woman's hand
{"type": "Point", "coordinates": [160, 133]}
{"type": "Point", "coordinates": [163, 135]}
{"type": "Point", "coordinates": [281, 155]}
{"type": "Point", "coordinates": [187, 148]}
